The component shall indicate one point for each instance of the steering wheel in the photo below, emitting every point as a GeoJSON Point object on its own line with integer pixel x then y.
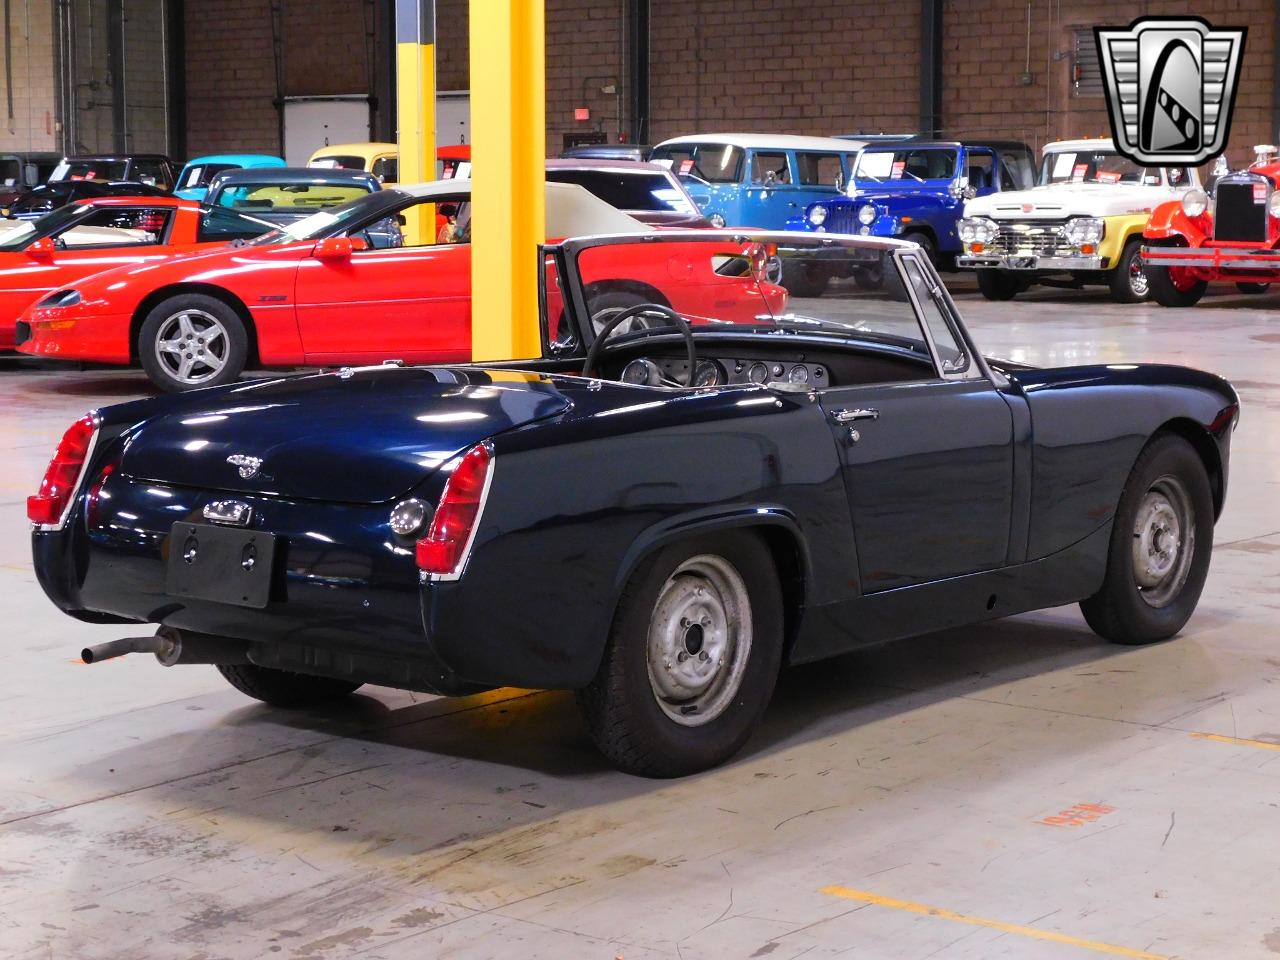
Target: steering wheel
{"type": "Point", "coordinates": [597, 345]}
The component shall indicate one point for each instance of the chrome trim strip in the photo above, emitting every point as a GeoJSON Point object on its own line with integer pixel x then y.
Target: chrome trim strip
{"type": "Point", "coordinates": [1037, 263]}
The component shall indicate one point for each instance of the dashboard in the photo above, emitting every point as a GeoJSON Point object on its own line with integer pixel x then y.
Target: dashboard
{"type": "Point", "coordinates": [718, 372]}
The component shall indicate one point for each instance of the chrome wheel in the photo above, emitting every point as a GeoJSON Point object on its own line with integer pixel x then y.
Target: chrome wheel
{"type": "Point", "coordinates": [699, 640]}
{"type": "Point", "coordinates": [1137, 277]}
{"type": "Point", "coordinates": [1164, 541]}
{"type": "Point", "coordinates": [192, 346]}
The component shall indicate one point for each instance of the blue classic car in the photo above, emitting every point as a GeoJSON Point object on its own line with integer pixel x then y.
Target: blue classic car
{"type": "Point", "coordinates": [757, 180]}
{"type": "Point", "coordinates": [657, 512]}
{"type": "Point", "coordinates": [916, 190]}
{"type": "Point", "coordinates": [193, 182]}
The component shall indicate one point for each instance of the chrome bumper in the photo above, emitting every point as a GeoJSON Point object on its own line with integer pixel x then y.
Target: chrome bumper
{"type": "Point", "coordinates": [1013, 261]}
{"type": "Point", "coordinates": [1212, 258]}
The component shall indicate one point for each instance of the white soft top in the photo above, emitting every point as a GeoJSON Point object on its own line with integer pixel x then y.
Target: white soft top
{"type": "Point", "coordinates": [572, 211]}
{"type": "Point", "coordinates": [1105, 144]}
{"type": "Point", "coordinates": [780, 141]}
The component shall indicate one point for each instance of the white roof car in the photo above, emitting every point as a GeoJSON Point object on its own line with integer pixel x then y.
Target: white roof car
{"type": "Point", "coordinates": [777, 141]}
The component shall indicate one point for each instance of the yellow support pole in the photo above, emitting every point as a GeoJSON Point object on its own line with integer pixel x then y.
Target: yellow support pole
{"type": "Point", "coordinates": [508, 173]}
{"type": "Point", "coordinates": [416, 108]}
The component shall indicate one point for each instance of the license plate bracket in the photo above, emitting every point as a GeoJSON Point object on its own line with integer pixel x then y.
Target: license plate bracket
{"type": "Point", "coordinates": [221, 564]}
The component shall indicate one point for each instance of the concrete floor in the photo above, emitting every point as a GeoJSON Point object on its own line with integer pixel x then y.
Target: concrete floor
{"type": "Point", "coordinates": [893, 806]}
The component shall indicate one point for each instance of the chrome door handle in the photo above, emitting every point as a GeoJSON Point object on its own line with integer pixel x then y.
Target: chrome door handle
{"type": "Point", "coordinates": [860, 413]}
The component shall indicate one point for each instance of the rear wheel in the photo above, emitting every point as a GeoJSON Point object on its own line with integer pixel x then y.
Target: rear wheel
{"type": "Point", "coordinates": [191, 341]}
{"type": "Point", "coordinates": [998, 284]}
{"type": "Point", "coordinates": [1160, 545]}
{"type": "Point", "coordinates": [1253, 288]}
{"type": "Point", "coordinates": [1128, 281]}
{"type": "Point", "coordinates": [281, 688]}
{"type": "Point", "coordinates": [692, 657]}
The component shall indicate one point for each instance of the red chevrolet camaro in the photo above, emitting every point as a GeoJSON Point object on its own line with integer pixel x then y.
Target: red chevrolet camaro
{"type": "Point", "coordinates": [81, 239]}
{"type": "Point", "coordinates": [354, 285]}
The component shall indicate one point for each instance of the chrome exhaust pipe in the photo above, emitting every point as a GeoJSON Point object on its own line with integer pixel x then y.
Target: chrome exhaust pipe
{"type": "Point", "coordinates": [173, 647]}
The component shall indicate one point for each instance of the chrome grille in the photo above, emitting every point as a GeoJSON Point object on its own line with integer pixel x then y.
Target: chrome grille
{"type": "Point", "coordinates": [1041, 238]}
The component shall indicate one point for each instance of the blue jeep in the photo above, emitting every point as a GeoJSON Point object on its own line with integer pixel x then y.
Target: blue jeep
{"type": "Point", "coordinates": [757, 180]}
{"type": "Point", "coordinates": [915, 190]}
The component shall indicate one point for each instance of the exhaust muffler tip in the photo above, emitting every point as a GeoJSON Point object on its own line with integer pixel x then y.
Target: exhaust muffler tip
{"type": "Point", "coordinates": [118, 648]}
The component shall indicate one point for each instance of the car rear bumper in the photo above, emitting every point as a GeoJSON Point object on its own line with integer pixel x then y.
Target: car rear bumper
{"type": "Point", "coordinates": [1002, 261]}
{"type": "Point", "coordinates": [102, 339]}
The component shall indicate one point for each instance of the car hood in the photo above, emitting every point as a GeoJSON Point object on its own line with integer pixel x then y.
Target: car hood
{"type": "Point", "coordinates": [357, 435]}
{"type": "Point", "coordinates": [1055, 201]}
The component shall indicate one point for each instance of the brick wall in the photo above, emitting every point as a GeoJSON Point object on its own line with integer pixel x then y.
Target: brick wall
{"type": "Point", "coordinates": [31, 45]}
{"type": "Point", "coordinates": [797, 66]}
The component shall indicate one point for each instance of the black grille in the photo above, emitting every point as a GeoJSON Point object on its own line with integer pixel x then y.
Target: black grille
{"type": "Point", "coordinates": [843, 218]}
{"type": "Point", "coordinates": [1236, 215]}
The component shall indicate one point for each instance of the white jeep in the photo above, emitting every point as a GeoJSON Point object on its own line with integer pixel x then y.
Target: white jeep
{"type": "Point", "coordinates": [1081, 225]}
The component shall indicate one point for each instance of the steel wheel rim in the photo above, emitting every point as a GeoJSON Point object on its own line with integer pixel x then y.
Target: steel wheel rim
{"type": "Point", "coordinates": [1164, 542]}
{"type": "Point", "coordinates": [1137, 277]}
{"type": "Point", "coordinates": [699, 640]}
{"type": "Point", "coordinates": [600, 319]}
{"type": "Point", "coordinates": [192, 346]}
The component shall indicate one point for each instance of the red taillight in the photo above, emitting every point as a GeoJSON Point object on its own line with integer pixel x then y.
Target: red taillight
{"type": "Point", "coordinates": [63, 473]}
{"type": "Point", "coordinates": [443, 549]}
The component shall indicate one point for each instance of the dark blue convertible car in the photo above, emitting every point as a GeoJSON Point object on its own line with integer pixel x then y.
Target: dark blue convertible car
{"type": "Point", "coordinates": [658, 513]}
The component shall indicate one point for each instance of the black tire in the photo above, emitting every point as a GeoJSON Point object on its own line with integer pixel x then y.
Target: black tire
{"type": "Point", "coordinates": [621, 706]}
{"type": "Point", "coordinates": [1253, 289]}
{"type": "Point", "coordinates": [204, 314]}
{"type": "Point", "coordinates": [871, 278]}
{"type": "Point", "coordinates": [1120, 610]}
{"type": "Point", "coordinates": [607, 304]}
{"type": "Point", "coordinates": [281, 688]}
{"type": "Point", "coordinates": [804, 279]}
{"type": "Point", "coordinates": [926, 244]}
{"type": "Point", "coordinates": [1128, 281]}
{"type": "Point", "coordinates": [1166, 293]}
{"type": "Point", "coordinates": [998, 284]}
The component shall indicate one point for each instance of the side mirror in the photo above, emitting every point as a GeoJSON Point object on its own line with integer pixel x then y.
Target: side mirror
{"type": "Point", "coordinates": [338, 248]}
{"type": "Point", "coordinates": [42, 249]}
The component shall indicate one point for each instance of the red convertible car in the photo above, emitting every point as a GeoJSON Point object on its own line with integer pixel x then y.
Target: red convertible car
{"type": "Point", "coordinates": [342, 287]}
{"type": "Point", "coordinates": [81, 239]}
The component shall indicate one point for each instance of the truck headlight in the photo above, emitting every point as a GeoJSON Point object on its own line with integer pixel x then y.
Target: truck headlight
{"type": "Point", "coordinates": [1195, 202]}
{"type": "Point", "coordinates": [867, 214]}
{"type": "Point", "coordinates": [978, 230]}
{"type": "Point", "coordinates": [1083, 230]}
{"type": "Point", "coordinates": [817, 215]}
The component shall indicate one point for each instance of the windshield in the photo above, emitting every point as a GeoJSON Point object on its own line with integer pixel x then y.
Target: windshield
{"type": "Point", "coordinates": [629, 191]}
{"type": "Point", "coordinates": [19, 236]}
{"type": "Point", "coordinates": [1102, 166]}
{"type": "Point", "coordinates": [878, 166]}
{"type": "Point", "coordinates": [338, 162]}
{"type": "Point", "coordinates": [89, 170]}
{"type": "Point", "coordinates": [294, 198]}
{"type": "Point", "coordinates": [201, 174]}
{"type": "Point", "coordinates": [708, 162]}
{"type": "Point", "coordinates": [845, 291]}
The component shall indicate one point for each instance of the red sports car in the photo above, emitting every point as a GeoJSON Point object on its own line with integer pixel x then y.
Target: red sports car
{"type": "Point", "coordinates": [342, 286]}
{"type": "Point", "coordinates": [81, 239]}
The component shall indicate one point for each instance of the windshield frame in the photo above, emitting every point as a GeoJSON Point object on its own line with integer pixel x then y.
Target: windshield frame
{"type": "Point", "coordinates": [906, 178]}
{"type": "Point", "coordinates": [568, 253]}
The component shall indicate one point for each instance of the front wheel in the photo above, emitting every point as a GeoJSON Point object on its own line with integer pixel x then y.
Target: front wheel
{"type": "Point", "coordinates": [1253, 289]}
{"type": "Point", "coordinates": [1128, 281]}
{"type": "Point", "coordinates": [1161, 540]}
{"type": "Point", "coordinates": [191, 341]}
{"type": "Point", "coordinates": [998, 284]}
{"type": "Point", "coordinates": [1173, 286]}
{"type": "Point", "coordinates": [691, 659]}
{"type": "Point", "coordinates": [926, 244]}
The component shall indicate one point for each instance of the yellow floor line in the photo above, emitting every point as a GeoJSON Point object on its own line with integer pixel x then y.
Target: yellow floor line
{"type": "Point", "coordinates": [1239, 742]}
{"type": "Point", "coordinates": [1032, 932]}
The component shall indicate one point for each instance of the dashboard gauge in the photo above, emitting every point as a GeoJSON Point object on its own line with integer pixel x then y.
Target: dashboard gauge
{"type": "Point", "coordinates": [778, 371]}
{"type": "Point", "coordinates": [640, 371]}
{"type": "Point", "coordinates": [798, 374]}
{"type": "Point", "coordinates": [758, 373]}
{"type": "Point", "coordinates": [708, 374]}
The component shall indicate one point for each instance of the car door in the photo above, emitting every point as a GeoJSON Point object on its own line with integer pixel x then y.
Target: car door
{"type": "Point", "coordinates": [928, 465]}
{"type": "Point", "coordinates": [771, 193]}
{"type": "Point", "coordinates": [391, 301]}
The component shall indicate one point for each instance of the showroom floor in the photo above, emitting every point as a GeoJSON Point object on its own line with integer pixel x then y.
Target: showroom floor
{"type": "Point", "coordinates": [919, 800]}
